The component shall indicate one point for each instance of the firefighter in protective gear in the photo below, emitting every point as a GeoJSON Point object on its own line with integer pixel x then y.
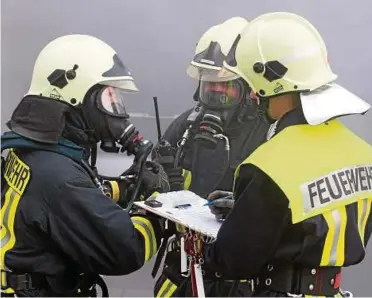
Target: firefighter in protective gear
{"type": "Point", "coordinates": [59, 230]}
{"type": "Point", "coordinates": [205, 161]}
{"type": "Point", "coordinates": [302, 202]}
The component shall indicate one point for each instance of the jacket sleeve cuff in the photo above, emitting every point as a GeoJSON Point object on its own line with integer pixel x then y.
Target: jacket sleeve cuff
{"type": "Point", "coordinates": [150, 230]}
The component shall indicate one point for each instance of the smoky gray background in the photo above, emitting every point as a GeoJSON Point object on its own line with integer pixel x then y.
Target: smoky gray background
{"type": "Point", "coordinates": [156, 40]}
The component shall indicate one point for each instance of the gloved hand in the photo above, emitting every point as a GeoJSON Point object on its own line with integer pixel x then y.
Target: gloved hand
{"type": "Point", "coordinates": [164, 154]}
{"type": "Point", "coordinates": [221, 207]}
{"type": "Point", "coordinates": [154, 177]}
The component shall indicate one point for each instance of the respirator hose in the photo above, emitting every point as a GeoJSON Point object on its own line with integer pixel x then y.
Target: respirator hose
{"type": "Point", "coordinates": [142, 160]}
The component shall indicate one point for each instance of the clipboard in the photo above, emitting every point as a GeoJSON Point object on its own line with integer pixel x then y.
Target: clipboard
{"type": "Point", "coordinates": [193, 214]}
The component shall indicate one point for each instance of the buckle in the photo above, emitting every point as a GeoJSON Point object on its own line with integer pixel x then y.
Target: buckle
{"type": "Point", "coordinates": [19, 282]}
{"type": "Point", "coordinates": [253, 283]}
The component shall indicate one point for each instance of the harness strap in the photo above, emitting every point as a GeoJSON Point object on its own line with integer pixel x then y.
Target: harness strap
{"type": "Point", "coordinates": [297, 279]}
{"type": "Point", "coordinates": [27, 281]}
{"type": "Point", "coordinates": [22, 282]}
{"type": "Point", "coordinates": [161, 253]}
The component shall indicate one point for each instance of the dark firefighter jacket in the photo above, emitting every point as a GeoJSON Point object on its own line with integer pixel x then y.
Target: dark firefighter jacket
{"type": "Point", "coordinates": [259, 230]}
{"type": "Point", "coordinates": [63, 224]}
{"type": "Point", "coordinates": [206, 171]}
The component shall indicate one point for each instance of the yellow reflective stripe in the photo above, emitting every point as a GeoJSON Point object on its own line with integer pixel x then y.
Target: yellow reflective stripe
{"type": "Point", "coordinates": [364, 209]}
{"type": "Point", "coordinates": [4, 208]}
{"type": "Point", "coordinates": [170, 292]}
{"type": "Point", "coordinates": [162, 288]}
{"type": "Point", "coordinates": [7, 241]}
{"type": "Point", "coordinates": [8, 291]}
{"type": "Point", "coordinates": [167, 289]}
{"type": "Point", "coordinates": [144, 226]}
{"type": "Point", "coordinates": [329, 239]}
{"type": "Point", "coordinates": [3, 279]}
{"type": "Point", "coordinates": [180, 228]}
{"type": "Point", "coordinates": [187, 179]}
{"type": "Point", "coordinates": [153, 196]}
{"type": "Point", "coordinates": [334, 247]}
{"type": "Point", "coordinates": [115, 190]}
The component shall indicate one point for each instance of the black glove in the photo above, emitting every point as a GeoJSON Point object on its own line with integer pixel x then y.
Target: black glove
{"type": "Point", "coordinates": [154, 177]}
{"type": "Point", "coordinates": [222, 206]}
{"type": "Point", "coordinates": [164, 154]}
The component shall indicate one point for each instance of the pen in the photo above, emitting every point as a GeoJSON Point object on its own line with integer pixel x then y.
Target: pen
{"type": "Point", "coordinates": [212, 202]}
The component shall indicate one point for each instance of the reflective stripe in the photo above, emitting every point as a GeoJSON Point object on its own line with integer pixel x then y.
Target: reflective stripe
{"type": "Point", "coordinates": [153, 196]}
{"type": "Point", "coordinates": [187, 179]}
{"type": "Point", "coordinates": [167, 289]}
{"type": "Point", "coordinates": [334, 247]}
{"type": "Point", "coordinates": [180, 228]}
{"type": "Point", "coordinates": [5, 210]}
{"type": "Point", "coordinates": [8, 291]}
{"type": "Point", "coordinates": [364, 209]}
{"type": "Point", "coordinates": [115, 190]}
{"type": "Point", "coordinates": [144, 226]}
{"type": "Point", "coordinates": [17, 176]}
{"type": "Point", "coordinates": [340, 254]}
{"type": "Point", "coordinates": [7, 241]}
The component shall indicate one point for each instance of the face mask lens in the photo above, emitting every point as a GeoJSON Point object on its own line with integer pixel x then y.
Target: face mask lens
{"type": "Point", "coordinates": [111, 101]}
{"type": "Point", "coordinates": [221, 94]}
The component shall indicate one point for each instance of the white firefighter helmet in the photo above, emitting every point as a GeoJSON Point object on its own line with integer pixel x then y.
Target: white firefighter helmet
{"type": "Point", "coordinates": [70, 65]}
{"type": "Point", "coordinates": [213, 47]}
{"type": "Point", "coordinates": [283, 52]}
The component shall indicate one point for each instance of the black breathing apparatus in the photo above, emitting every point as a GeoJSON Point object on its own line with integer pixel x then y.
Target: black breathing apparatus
{"type": "Point", "coordinates": [226, 105]}
{"type": "Point", "coordinates": [106, 115]}
{"type": "Point", "coordinates": [130, 142]}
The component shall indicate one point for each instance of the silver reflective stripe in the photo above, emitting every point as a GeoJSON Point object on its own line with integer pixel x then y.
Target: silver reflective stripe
{"type": "Point", "coordinates": [6, 238]}
{"type": "Point", "coordinates": [337, 218]}
{"type": "Point", "coordinates": [272, 130]}
{"type": "Point", "coordinates": [149, 234]}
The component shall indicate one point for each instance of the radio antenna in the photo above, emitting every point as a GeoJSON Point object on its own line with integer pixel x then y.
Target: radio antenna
{"type": "Point", "coordinates": [157, 117]}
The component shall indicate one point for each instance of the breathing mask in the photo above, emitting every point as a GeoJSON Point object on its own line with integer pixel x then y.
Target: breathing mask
{"type": "Point", "coordinates": [105, 111]}
{"type": "Point", "coordinates": [226, 105]}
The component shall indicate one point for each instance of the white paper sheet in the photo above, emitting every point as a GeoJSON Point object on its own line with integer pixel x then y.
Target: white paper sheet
{"type": "Point", "coordinates": [197, 217]}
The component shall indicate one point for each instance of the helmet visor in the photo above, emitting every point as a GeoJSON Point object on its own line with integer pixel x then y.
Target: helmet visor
{"type": "Point", "coordinates": [111, 101]}
{"type": "Point", "coordinates": [221, 95]}
{"type": "Point", "coordinates": [210, 74]}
